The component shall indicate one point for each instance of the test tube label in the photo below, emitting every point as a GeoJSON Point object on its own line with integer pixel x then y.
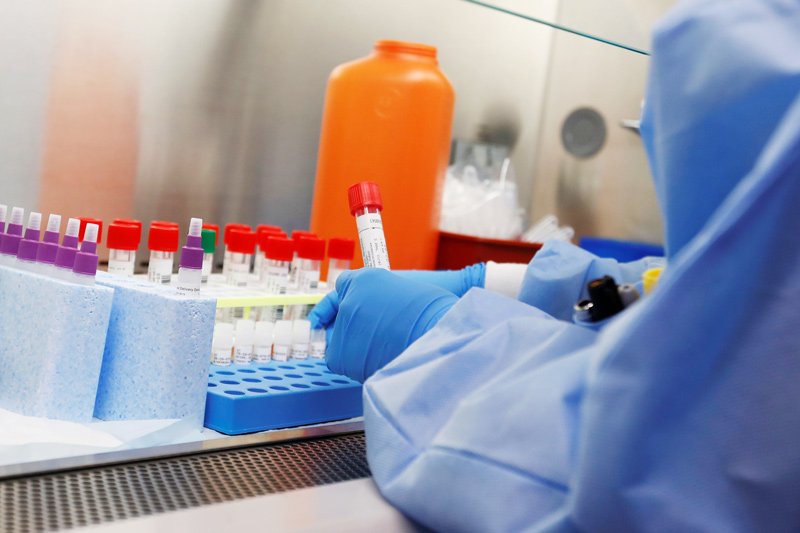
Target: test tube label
{"type": "Point", "coordinates": [243, 355]}
{"type": "Point", "coordinates": [222, 357]}
{"type": "Point", "coordinates": [300, 351]}
{"type": "Point", "coordinates": [263, 354]}
{"type": "Point", "coordinates": [373, 243]}
{"type": "Point", "coordinates": [281, 353]}
{"type": "Point", "coordinates": [317, 350]}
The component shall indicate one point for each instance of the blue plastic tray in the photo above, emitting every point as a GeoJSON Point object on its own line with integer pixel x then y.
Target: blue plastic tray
{"type": "Point", "coordinates": [249, 398]}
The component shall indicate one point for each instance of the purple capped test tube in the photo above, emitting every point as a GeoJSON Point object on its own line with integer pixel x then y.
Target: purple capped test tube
{"type": "Point", "coordinates": [65, 256]}
{"type": "Point", "coordinates": [85, 266]}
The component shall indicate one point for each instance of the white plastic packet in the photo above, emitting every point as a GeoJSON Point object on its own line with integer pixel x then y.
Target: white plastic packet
{"type": "Point", "coordinates": [481, 206]}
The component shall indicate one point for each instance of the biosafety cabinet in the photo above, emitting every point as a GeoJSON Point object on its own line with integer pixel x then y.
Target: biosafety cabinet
{"type": "Point", "coordinates": [152, 109]}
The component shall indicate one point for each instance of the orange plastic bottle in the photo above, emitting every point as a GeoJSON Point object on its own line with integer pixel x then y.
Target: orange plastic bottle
{"type": "Point", "coordinates": [387, 119]}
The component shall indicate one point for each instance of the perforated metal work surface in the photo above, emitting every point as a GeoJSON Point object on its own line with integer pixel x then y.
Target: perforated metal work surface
{"type": "Point", "coordinates": [90, 496]}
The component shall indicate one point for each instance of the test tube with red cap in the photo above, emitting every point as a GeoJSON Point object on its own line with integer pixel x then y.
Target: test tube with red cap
{"type": "Point", "coordinates": [162, 241]}
{"type": "Point", "coordinates": [240, 249]}
{"type": "Point", "coordinates": [132, 222]}
{"type": "Point", "coordinates": [366, 205]}
{"type": "Point", "coordinates": [226, 260]}
{"type": "Point", "coordinates": [310, 253]}
{"type": "Point", "coordinates": [293, 271]}
{"type": "Point", "coordinates": [340, 257]}
{"type": "Point", "coordinates": [122, 241]}
{"type": "Point", "coordinates": [263, 231]}
{"type": "Point", "coordinates": [277, 262]}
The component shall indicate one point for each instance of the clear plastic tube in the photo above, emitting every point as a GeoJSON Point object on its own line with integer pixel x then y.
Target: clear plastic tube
{"type": "Point", "coordinates": [282, 346]}
{"type": "Point", "coordinates": [262, 348]}
{"type": "Point", "coordinates": [293, 281]}
{"type": "Point", "coordinates": [308, 275]}
{"type": "Point", "coordinates": [301, 337]}
{"type": "Point", "coordinates": [275, 277]}
{"type": "Point", "coordinates": [222, 344]}
{"type": "Point", "coordinates": [238, 268]}
{"type": "Point", "coordinates": [208, 265]}
{"type": "Point", "coordinates": [121, 262]}
{"type": "Point", "coordinates": [243, 343]}
{"type": "Point", "coordinates": [161, 265]}
{"type": "Point", "coordinates": [318, 343]}
{"type": "Point", "coordinates": [335, 269]}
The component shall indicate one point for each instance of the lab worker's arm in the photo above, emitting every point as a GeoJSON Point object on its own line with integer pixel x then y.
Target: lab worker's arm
{"type": "Point", "coordinates": [474, 426]}
{"type": "Point", "coordinates": [557, 276]}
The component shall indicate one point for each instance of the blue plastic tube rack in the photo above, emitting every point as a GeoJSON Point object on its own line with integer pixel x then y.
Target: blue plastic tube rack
{"type": "Point", "coordinates": [249, 398]}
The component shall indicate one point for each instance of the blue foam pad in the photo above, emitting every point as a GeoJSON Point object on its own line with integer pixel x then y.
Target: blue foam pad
{"type": "Point", "coordinates": [248, 398]}
{"type": "Point", "coordinates": [157, 353]}
{"type": "Point", "coordinates": [53, 333]}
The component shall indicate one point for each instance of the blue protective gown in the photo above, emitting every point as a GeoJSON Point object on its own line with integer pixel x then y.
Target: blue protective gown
{"type": "Point", "coordinates": [683, 414]}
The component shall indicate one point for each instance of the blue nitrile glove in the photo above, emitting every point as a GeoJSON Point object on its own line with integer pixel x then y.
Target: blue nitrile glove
{"type": "Point", "coordinates": [456, 281]}
{"type": "Point", "coordinates": [373, 316]}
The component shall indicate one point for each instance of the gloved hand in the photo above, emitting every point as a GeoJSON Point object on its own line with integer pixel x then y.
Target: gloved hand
{"type": "Point", "coordinates": [373, 316]}
{"type": "Point", "coordinates": [456, 281]}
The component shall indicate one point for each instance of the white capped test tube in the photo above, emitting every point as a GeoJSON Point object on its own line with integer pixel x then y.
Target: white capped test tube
{"type": "Point", "coordinates": [263, 341]}
{"type": "Point", "coordinates": [318, 343]}
{"type": "Point", "coordinates": [244, 339]}
{"type": "Point", "coordinates": [301, 336]}
{"type": "Point", "coordinates": [282, 344]}
{"type": "Point", "coordinates": [222, 344]}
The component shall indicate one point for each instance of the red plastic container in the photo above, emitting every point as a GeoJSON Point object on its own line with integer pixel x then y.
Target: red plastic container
{"type": "Point", "coordinates": [457, 251]}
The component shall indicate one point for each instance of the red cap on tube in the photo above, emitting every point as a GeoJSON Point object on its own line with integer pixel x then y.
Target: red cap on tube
{"type": "Point", "coordinates": [311, 248]}
{"type": "Point", "coordinates": [163, 223]}
{"type": "Point", "coordinates": [163, 238]}
{"type": "Point", "coordinates": [130, 222]}
{"type": "Point", "coordinates": [263, 235]}
{"type": "Point", "coordinates": [339, 248]}
{"type": "Point", "coordinates": [279, 248]}
{"type": "Point", "coordinates": [123, 236]}
{"type": "Point", "coordinates": [88, 220]}
{"type": "Point", "coordinates": [300, 233]}
{"type": "Point", "coordinates": [241, 241]}
{"type": "Point", "coordinates": [230, 227]}
{"type": "Point", "coordinates": [267, 227]}
{"type": "Point", "coordinates": [364, 194]}
{"type": "Point", "coordinates": [215, 228]}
